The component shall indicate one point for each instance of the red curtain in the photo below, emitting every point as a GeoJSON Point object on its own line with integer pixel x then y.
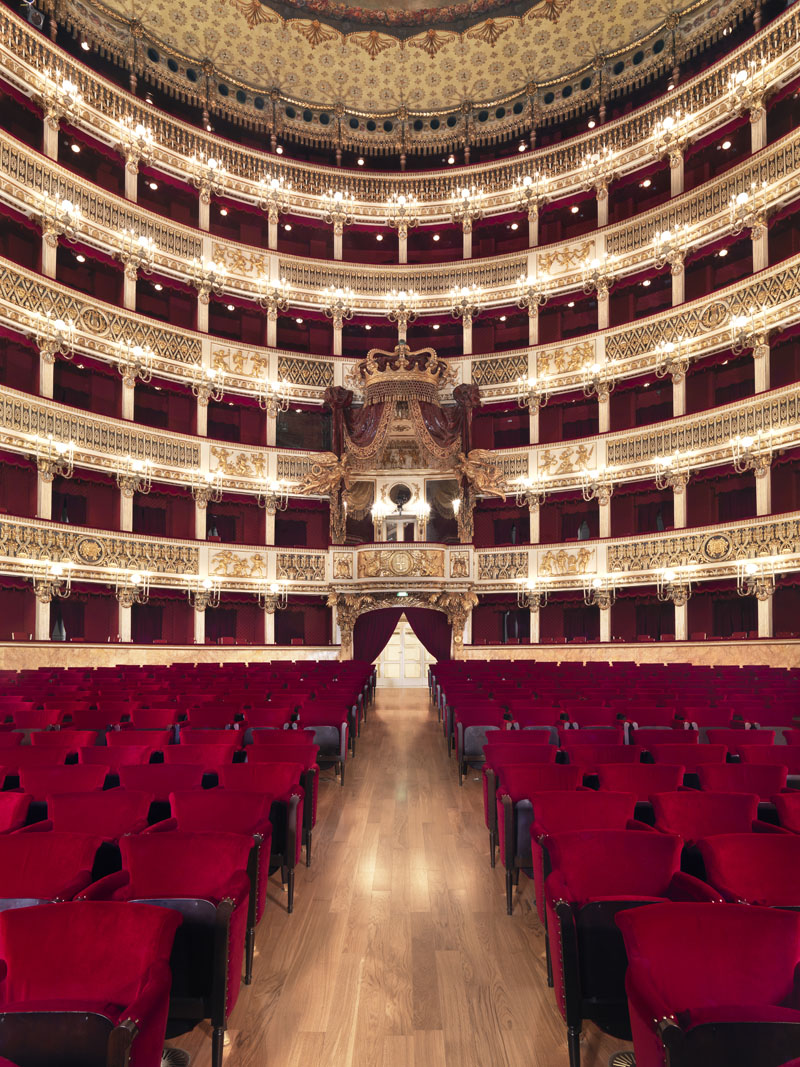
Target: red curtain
{"type": "Point", "coordinates": [433, 630]}
{"type": "Point", "coordinates": [372, 631]}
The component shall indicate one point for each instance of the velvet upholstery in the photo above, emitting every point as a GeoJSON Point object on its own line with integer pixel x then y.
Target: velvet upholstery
{"type": "Point", "coordinates": [74, 739]}
{"type": "Point", "coordinates": [733, 739]}
{"type": "Point", "coordinates": [764, 779]}
{"type": "Point", "coordinates": [754, 868]}
{"type": "Point", "coordinates": [784, 755]}
{"type": "Point", "coordinates": [102, 958]}
{"type": "Point", "coordinates": [190, 735]}
{"type": "Point", "coordinates": [595, 875]}
{"type": "Point", "coordinates": [117, 756]}
{"type": "Point", "coordinates": [293, 746]}
{"type": "Point", "coordinates": [508, 749]}
{"type": "Point", "coordinates": [330, 729]}
{"type": "Point", "coordinates": [591, 757]}
{"type": "Point", "coordinates": [687, 987]}
{"type": "Point", "coordinates": [788, 807]}
{"type": "Point", "coordinates": [693, 815]}
{"type": "Point", "coordinates": [209, 757]}
{"type": "Point", "coordinates": [579, 809]}
{"type": "Point", "coordinates": [41, 782]}
{"type": "Point", "coordinates": [160, 778]}
{"type": "Point", "coordinates": [691, 756]}
{"type": "Point", "coordinates": [110, 816]}
{"type": "Point", "coordinates": [472, 729]}
{"type": "Point", "coordinates": [13, 811]}
{"type": "Point", "coordinates": [156, 739]}
{"type": "Point", "coordinates": [642, 779]}
{"type": "Point", "coordinates": [37, 867]}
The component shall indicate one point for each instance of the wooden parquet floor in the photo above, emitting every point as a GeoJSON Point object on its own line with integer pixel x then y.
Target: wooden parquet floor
{"type": "Point", "coordinates": [399, 952]}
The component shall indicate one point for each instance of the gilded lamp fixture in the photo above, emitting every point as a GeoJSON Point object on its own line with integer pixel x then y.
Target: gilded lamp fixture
{"type": "Point", "coordinates": [54, 337]}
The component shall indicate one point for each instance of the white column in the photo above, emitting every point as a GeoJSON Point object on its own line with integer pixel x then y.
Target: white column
{"type": "Point", "coordinates": [679, 396]}
{"type": "Point", "coordinates": [272, 430]}
{"type": "Point", "coordinates": [534, 523]}
{"type": "Point", "coordinates": [605, 624]}
{"type": "Point", "coordinates": [50, 140]}
{"type": "Point", "coordinates": [49, 253]}
{"type": "Point", "coordinates": [202, 419]}
{"type": "Point", "coordinates": [602, 205]}
{"type": "Point", "coordinates": [760, 239]}
{"type": "Point", "coordinates": [402, 247]}
{"type": "Point", "coordinates": [765, 617]}
{"type": "Point", "coordinates": [536, 627]}
{"type": "Point", "coordinates": [199, 627]}
{"type": "Point", "coordinates": [337, 337]}
{"type": "Point", "coordinates": [764, 491]}
{"type": "Point", "coordinates": [269, 533]}
{"type": "Point", "coordinates": [125, 512]}
{"type": "Point", "coordinates": [199, 525]}
{"type": "Point", "coordinates": [533, 426]}
{"type": "Point", "coordinates": [466, 334]}
{"type": "Point", "coordinates": [679, 509]}
{"type": "Point", "coordinates": [533, 229]}
{"type": "Point", "coordinates": [338, 240]}
{"type": "Point", "coordinates": [46, 375]}
{"type": "Point", "coordinates": [467, 243]}
{"type": "Point", "coordinates": [681, 622]}
{"type": "Point", "coordinates": [272, 328]}
{"type": "Point", "coordinates": [44, 498]}
{"type": "Point", "coordinates": [124, 623]}
{"type": "Point", "coordinates": [678, 286]}
{"type": "Point", "coordinates": [602, 309]}
{"type": "Point", "coordinates": [272, 231]}
{"type": "Point", "coordinates": [468, 629]}
{"type": "Point", "coordinates": [129, 290]}
{"type": "Point", "coordinates": [533, 325]}
{"type": "Point", "coordinates": [131, 184]}
{"type": "Point", "coordinates": [204, 213]}
{"type": "Point", "coordinates": [269, 627]}
{"type": "Point", "coordinates": [604, 413]}
{"type": "Point", "coordinates": [758, 129]}
{"type": "Point", "coordinates": [128, 401]}
{"type": "Point", "coordinates": [761, 369]}
{"type": "Point", "coordinates": [202, 315]}
{"type": "Point", "coordinates": [605, 518]}
{"type": "Point", "coordinates": [42, 625]}
{"type": "Point", "coordinates": [676, 176]}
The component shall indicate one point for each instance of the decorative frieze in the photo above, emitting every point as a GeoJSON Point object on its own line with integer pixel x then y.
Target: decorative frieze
{"type": "Point", "coordinates": [301, 566]}
{"type": "Point", "coordinates": [232, 564]}
{"type": "Point", "coordinates": [499, 370]}
{"type": "Point", "coordinates": [502, 566]}
{"type": "Point", "coordinates": [401, 563]}
{"type": "Point", "coordinates": [312, 373]}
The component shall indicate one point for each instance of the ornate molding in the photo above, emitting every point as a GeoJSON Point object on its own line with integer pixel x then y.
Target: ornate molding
{"type": "Point", "coordinates": [400, 563]}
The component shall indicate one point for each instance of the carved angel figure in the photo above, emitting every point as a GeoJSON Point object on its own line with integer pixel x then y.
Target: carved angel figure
{"type": "Point", "coordinates": [483, 474]}
{"type": "Point", "coordinates": [326, 475]}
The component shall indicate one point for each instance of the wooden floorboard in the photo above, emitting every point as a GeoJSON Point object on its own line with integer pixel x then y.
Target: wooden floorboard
{"type": "Point", "coordinates": [399, 952]}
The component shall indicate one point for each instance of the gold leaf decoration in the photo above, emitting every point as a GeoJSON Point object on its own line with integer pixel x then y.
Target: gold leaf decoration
{"type": "Point", "coordinates": [552, 10]}
{"type": "Point", "coordinates": [255, 14]}
{"type": "Point", "coordinates": [314, 32]}
{"type": "Point", "coordinates": [490, 31]}
{"type": "Point", "coordinates": [432, 41]}
{"type": "Point", "coordinates": [373, 42]}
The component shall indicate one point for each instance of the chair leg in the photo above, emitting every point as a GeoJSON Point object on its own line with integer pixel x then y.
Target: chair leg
{"type": "Point", "coordinates": [217, 1046]}
{"type": "Point", "coordinates": [308, 849]}
{"type": "Point", "coordinates": [341, 773]}
{"type": "Point", "coordinates": [287, 873]}
{"type": "Point", "coordinates": [492, 846]}
{"type": "Point", "coordinates": [509, 892]}
{"type": "Point", "coordinates": [548, 961]}
{"type": "Point", "coordinates": [574, 1045]}
{"type": "Point", "coordinates": [249, 952]}
{"type": "Point", "coordinates": [460, 772]}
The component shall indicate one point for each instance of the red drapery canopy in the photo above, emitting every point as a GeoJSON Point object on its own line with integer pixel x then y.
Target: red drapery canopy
{"type": "Point", "coordinates": [372, 631]}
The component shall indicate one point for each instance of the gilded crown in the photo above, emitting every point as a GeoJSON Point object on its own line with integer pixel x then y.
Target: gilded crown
{"type": "Point", "coordinates": [401, 375]}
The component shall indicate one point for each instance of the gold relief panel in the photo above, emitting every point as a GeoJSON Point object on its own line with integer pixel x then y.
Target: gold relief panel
{"type": "Point", "coordinates": [20, 541]}
{"type": "Point", "coordinates": [240, 261]}
{"type": "Point", "coordinates": [300, 567]}
{"type": "Point", "coordinates": [499, 371]}
{"type": "Point", "coordinates": [498, 566]}
{"type": "Point", "coordinates": [513, 466]}
{"type": "Point", "coordinates": [565, 360]}
{"type": "Point", "coordinates": [568, 257]}
{"type": "Point", "coordinates": [237, 464]}
{"type": "Point", "coordinates": [294, 468]}
{"type": "Point", "coordinates": [401, 563]}
{"type": "Point", "coordinates": [459, 564]}
{"type": "Point", "coordinates": [342, 566]}
{"type": "Point", "coordinates": [238, 362]}
{"type": "Point", "coordinates": [557, 462]}
{"type": "Point", "coordinates": [313, 373]}
{"type": "Point", "coordinates": [230, 564]}
{"type": "Point", "coordinates": [557, 563]}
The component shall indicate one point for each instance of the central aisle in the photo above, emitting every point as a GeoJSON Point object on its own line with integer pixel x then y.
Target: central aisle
{"type": "Point", "coordinates": [399, 952]}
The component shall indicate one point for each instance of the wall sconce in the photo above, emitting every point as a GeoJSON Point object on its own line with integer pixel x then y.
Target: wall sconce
{"type": "Point", "coordinates": [597, 485]}
{"type": "Point", "coordinates": [207, 385]}
{"type": "Point", "coordinates": [134, 362]}
{"type": "Point", "coordinates": [54, 337]}
{"type": "Point", "coordinates": [600, 590]}
{"type": "Point", "coordinates": [132, 587]}
{"type": "Point", "coordinates": [51, 580]}
{"type": "Point", "coordinates": [274, 496]}
{"type": "Point", "coordinates": [206, 487]}
{"type": "Point", "coordinates": [532, 594]}
{"type": "Point", "coordinates": [674, 585]}
{"type": "Point", "coordinates": [134, 476]}
{"type": "Point", "coordinates": [273, 596]}
{"type": "Point", "coordinates": [755, 577]}
{"type": "Point", "coordinates": [204, 593]}
{"type": "Point", "coordinates": [54, 459]}
{"type": "Point", "coordinates": [752, 453]}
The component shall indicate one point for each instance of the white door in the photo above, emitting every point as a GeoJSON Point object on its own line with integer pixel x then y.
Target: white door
{"type": "Point", "coordinates": [404, 661]}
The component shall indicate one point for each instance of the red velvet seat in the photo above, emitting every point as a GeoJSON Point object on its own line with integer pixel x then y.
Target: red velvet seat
{"type": "Point", "coordinates": [691, 1000]}
{"type": "Point", "coordinates": [118, 812]}
{"type": "Point", "coordinates": [64, 739]}
{"type": "Point", "coordinates": [42, 782]}
{"type": "Point", "coordinates": [754, 868]}
{"type": "Point", "coordinates": [209, 757]}
{"type": "Point", "coordinates": [11, 739]}
{"type": "Point", "coordinates": [472, 729]}
{"type": "Point", "coordinates": [190, 735]}
{"type": "Point", "coordinates": [596, 874]}
{"type": "Point", "coordinates": [788, 807]}
{"type": "Point", "coordinates": [293, 746]}
{"type": "Point", "coordinates": [13, 811]}
{"type": "Point", "coordinates": [153, 718]}
{"type": "Point", "coordinates": [693, 815]}
{"type": "Point", "coordinates": [329, 730]}
{"type": "Point", "coordinates": [95, 977]}
{"type": "Point", "coordinates": [648, 736]}
{"type": "Point", "coordinates": [226, 811]}
{"type": "Point", "coordinates": [592, 757]}
{"type": "Point", "coordinates": [517, 783]}
{"type": "Point", "coordinates": [264, 718]}
{"type": "Point", "coordinates": [44, 868]}
{"type": "Point", "coordinates": [642, 779]}
{"type": "Point", "coordinates": [691, 756]}
{"type": "Point", "coordinates": [734, 739]}
{"type": "Point", "coordinates": [612, 734]}
{"type": "Point", "coordinates": [784, 755]}
{"type": "Point", "coordinates": [157, 740]}
{"type": "Point", "coordinates": [116, 756]}
{"type": "Point", "coordinates": [578, 809]}
{"type": "Point", "coordinates": [281, 782]}
{"type": "Point", "coordinates": [161, 779]}
{"type": "Point", "coordinates": [204, 878]}
{"type": "Point", "coordinates": [16, 759]}
{"type": "Point", "coordinates": [510, 748]}
{"type": "Point", "coordinates": [763, 779]}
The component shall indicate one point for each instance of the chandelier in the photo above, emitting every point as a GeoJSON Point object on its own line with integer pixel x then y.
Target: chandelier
{"type": "Point", "coordinates": [206, 487]}
{"type": "Point", "coordinates": [138, 252]}
{"type": "Point", "coordinates": [600, 591]}
{"type": "Point", "coordinates": [752, 453]}
{"type": "Point", "coordinates": [597, 381]}
{"type": "Point", "coordinates": [597, 485]}
{"type": "Point", "coordinates": [670, 136]}
{"type": "Point", "coordinates": [466, 208]}
{"type": "Point", "coordinates": [401, 307]}
{"type": "Point", "coordinates": [675, 585]}
{"type": "Point", "coordinates": [465, 302]}
{"type": "Point", "coordinates": [137, 143]}
{"type": "Point", "coordinates": [756, 577]}
{"type": "Point", "coordinates": [132, 587]}
{"type": "Point", "coordinates": [51, 580]}
{"type": "Point", "coordinates": [531, 293]}
{"type": "Point", "coordinates": [60, 99]}
{"type": "Point", "coordinates": [207, 277]}
{"type": "Point", "coordinates": [337, 208]}
{"type": "Point", "coordinates": [134, 476]}
{"type": "Point", "coordinates": [273, 295]}
{"type": "Point", "coordinates": [530, 493]}
{"type": "Point", "coordinates": [273, 596]}
{"type": "Point", "coordinates": [274, 496]}
{"type": "Point", "coordinates": [748, 88]}
{"type": "Point", "coordinates": [531, 594]}
{"type": "Point", "coordinates": [748, 210]}
{"type": "Point", "coordinates": [671, 358]}
{"type": "Point", "coordinates": [273, 396]}
{"type": "Point", "coordinates": [532, 394]}
{"type": "Point", "coordinates": [207, 175]}
{"type": "Point", "coordinates": [532, 193]}
{"type": "Point", "coordinates": [672, 472]}
{"type": "Point", "coordinates": [207, 385]}
{"type": "Point", "coordinates": [134, 362]}
{"type": "Point", "coordinates": [54, 459]}
{"type": "Point", "coordinates": [750, 331]}
{"type": "Point", "coordinates": [203, 593]}
{"type": "Point", "coordinates": [338, 304]}
{"type": "Point", "coordinates": [401, 215]}
{"type": "Point", "coordinates": [597, 171]}
{"type": "Point", "coordinates": [598, 275]}
{"type": "Point", "coordinates": [54, 337]}
{"type": "Point", "coordinates": [272, 196]}
{"type": "Point", "coordinates": [670, 246]}
{"type": "Point", "coordinates": [59, 218]}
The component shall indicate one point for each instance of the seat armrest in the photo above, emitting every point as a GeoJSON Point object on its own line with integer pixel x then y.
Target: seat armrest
{"type": "Point", "coordinates": [557, 888]}
{"type": "Point", "coordinates": [236, 888]}
{"type": "Point", "coordinates": [104, 888]}
{"type": "Point", "coordinates": [685, 887]}
{"type": "Point", "coordinates": [637, 824]}
{"type": "Point", "coordinates": [761, 827]}
{"type": "Point", "coordinates": [159, 827]}
{"type": "Point", "coordinates": [150, 999]}
{"type": "Point", "coordinates": [44, 826]}
{"type": "Point", "coordinates": [76, 885]}
{"type": "Point", "coordinates": [644, 997]}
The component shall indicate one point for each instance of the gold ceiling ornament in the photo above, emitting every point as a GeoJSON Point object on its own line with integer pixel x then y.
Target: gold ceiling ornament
{"type": "Point", "coordinates": [490, 31]}
{"type": "Point", "coordinates": [373, 43]}
{"type": "Point", "coordinates": [315, 33]}
{"type": "Point", "coordinates": [552, 10]}
{"type": "Point", "coordinates": [254, 12]}
{"type": "Point", "coordinates": [432, 41]}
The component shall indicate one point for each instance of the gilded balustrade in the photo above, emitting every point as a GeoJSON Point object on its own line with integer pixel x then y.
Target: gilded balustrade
{"type": "Point", "coordinates": [24, 52]}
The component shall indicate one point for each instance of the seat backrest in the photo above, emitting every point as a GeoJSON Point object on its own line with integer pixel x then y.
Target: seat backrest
{"type": "Point", "coordinates": [689, 755]}
{"type": "Point", "coordinates": [788, 808]}
{"type": "Point", "coordinates": [692, 953]}
{"type": "Point", "coordinates": [755, 868]}
{"type": "Point", "coordinates": [181, 864]}
{"type": "Point", "coordinates": [693, 815]}
{"type": "Point", "coordinates": [194, 736]}
{"type": "Point", "coordinates": [582, 809]}
{"type": "Point", "coordinates": [734, 739]}
{"type": "Point", "coordinates": [89, 950]}
{"type": "Point", "coordinates": [498, 752]}
{"type": "Point", "coordinates": [272, 778]}
{"type": "Point", "coordinates": [154, 739]}
{"type": "Point", "coordinates": [161, 778]}
{"type": "Point", "coordinates": [291, 752]}
{"type": "Point", "coordinates": [13, 810]}
{"type": "Point", "coordinates": [588, 756]}
{"type": "Point", "coordinates": [607, 862]}
{"type": "Point", "coordinates": [114, 813]}
{"type": "Point", "coordinates": [116, 756]}
{"type": "Point", "coordinates": [69, 739]}
{"type": "Point", "coordinates": [643, 779]}
{"type": "Point", "coordinates": [40, 865]}
{"type": "Point", "coordinates": [761, 778]}
{"type": "Point", "coordinates": [41, 782]}
{"type": "Point", "coordinates": [520, 780]}
{"type": "Point", "coordinates": [210, 756]}
{"type": "Point", "coordinates": [222, 810]}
